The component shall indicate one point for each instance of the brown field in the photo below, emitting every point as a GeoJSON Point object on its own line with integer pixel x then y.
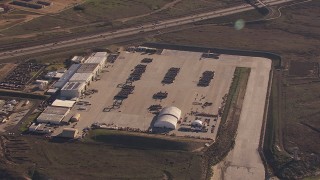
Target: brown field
{"type": "Point", "coordinates": [5, 69]}
{"type": "Point", "coordinates": [304, 69]}
{"type": "Point", "coordinates": [57, 6]}
{"type": "Point", "coordinates": [100, 158]}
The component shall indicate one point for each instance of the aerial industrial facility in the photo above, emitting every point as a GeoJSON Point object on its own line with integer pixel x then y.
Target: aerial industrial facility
{"type": "Point", "coordinates": [163, 91]}
{"type": "Point", "coordinates": [147, 94]}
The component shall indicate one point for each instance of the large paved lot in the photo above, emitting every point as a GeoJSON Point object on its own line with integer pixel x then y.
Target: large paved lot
{"type": "Point", "coordinates": [183, 93]}
{"type": "Point", "coordinates": [244, 161]}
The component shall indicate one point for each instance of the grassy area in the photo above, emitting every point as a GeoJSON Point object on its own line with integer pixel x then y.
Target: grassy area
{"type": "Point", "coordinates": [91, 160]}
{"type": "Point", "coordinates": [93, 11]}
{"type": "Point", "coordinates": [25, 125]}
{"type": "Point", "coordinates": [240, 74]}
{"type": "Point", "coordinates": [55, 66]}
{"type": "Point", "coordinates": [143, 141]}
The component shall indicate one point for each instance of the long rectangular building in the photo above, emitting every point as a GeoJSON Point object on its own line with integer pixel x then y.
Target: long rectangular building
{"type": "Point", "coordinates": [98, 58]}
{"type": "Point", "coordinates": [53, 115]}
{"type": "Point", "coordinates": [67, 75]}
{"type": "Point", "coordinates": [73, 89]}
{"type": "Point", "coordinates": [82, 77]}
{"type": "Point", "coordinates": [92, 68]}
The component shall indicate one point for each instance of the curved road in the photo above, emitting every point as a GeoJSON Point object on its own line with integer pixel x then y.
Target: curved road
{"type": "Point", "coordinates": [134, 30]}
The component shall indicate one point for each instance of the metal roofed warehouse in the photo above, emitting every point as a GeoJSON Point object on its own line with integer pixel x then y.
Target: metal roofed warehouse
{"type": "Point", "coordinates": [73, 89]}
{"type": "Point", "coordinates": [98, 58]}
{"type": "Point", "coordinates": [53, 115]}
{"type": "Point", "coordinates": [66, 76]}
{"type": "Point", "coordinates": [82, 77]}
{"type": "Point", "coordinates": [168, 118]}
{"type": "Point", "coordinates": [89, 68]}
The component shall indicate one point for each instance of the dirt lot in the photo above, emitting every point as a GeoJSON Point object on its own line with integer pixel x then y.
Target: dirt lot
{"type": "Point", "coordinates": [5, 69]}
{"type": "Point", "coordinates": [304, 69]}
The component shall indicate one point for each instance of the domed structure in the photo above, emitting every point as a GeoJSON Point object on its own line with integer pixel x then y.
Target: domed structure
{"type": "Point", "coordinates": [197, 123]}
{"type": "Point", "coordinates": [168, 118]}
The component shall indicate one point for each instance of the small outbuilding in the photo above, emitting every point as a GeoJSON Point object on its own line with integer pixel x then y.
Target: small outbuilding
{"type": "Point", "coordinates": [75, 118]}
{"type": "Point", "coordinates": [69, 133]}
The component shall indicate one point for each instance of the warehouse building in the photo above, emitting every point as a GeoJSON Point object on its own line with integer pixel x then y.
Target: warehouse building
{"type": "Point", "coordinates": [92, 68]}
{"type": "Point", "coordinates": [82, 77]}
{"type": "Point", "coordinates": [73, 89]}
{"type": "Point", "coordinates": [53, 115]}
{"type": "Point", "coordinates": [66, 76]}
{"type": "Point", "coordinates": [98, 58]}
{"type": "Point", "coordinates": [168, 118]}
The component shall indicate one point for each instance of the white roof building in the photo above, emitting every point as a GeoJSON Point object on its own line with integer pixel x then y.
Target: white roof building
{"type": "Point", "coordinates": [98, 58]}
{"type": "Point", "coordinates": [82, 77]}
{"type": "Point", "coordinates": [168, 118]}
{"type": "Point", "coordinates": [63, 103]}
{"type": "Point", "coordinates": [53, 115]}
{"type": "Point", "coordinates": [66, 76]}
{"type": "Point", "coordinates": [73, 89]}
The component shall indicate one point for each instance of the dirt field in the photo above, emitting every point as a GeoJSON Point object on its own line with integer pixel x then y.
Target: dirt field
{"type": "Point", "coordinates": [35, 157]}
{"type": "Point", "coordinates": [96, 15]}
{"type": "Point", "coordinates": [304, 69]}
{"type": "Point", "coordinates": [5, 69]}
{"type": "Point", "coordinates": [21, 15]}
{"type": "Point", "coordinates": [57, 6]}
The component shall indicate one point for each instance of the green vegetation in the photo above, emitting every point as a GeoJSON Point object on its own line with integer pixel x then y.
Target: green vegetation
{"type": "Point", "coordinates": [240, 74]}
{"type": "Point", "coordinates": [24, 126]}
{"type": "Point", "coordinates": [101, 160]}
{"type": "Point", "coordinates": [55, 66]}
{"type": "Point", "coordinates": [142, 141]}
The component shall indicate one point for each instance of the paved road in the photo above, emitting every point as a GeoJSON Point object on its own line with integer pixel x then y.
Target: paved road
{"type": "Point", "coordinates": [244, 161]}
{"type": "Point", "coordinates": [156, 27]}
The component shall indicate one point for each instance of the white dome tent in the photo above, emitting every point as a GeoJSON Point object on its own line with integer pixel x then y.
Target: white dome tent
{"type": "Point", "coordinates": [197, 123]}
{"type": "Point", "coordinates": [168, 118]}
